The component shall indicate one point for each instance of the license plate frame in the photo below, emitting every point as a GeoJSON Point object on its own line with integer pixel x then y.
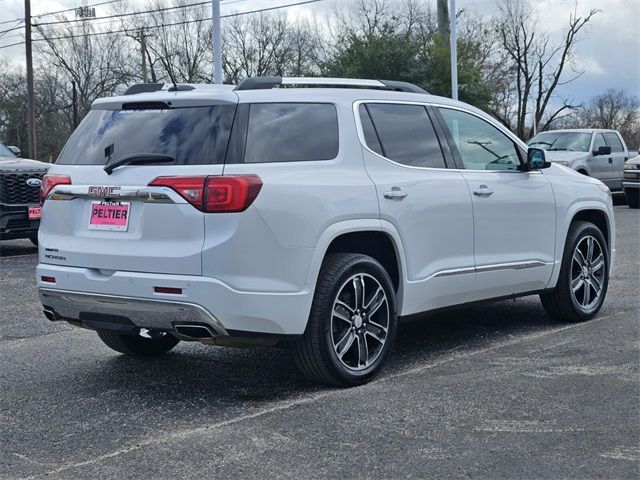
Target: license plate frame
{"type": "Point", "coordinates": [34, 212]}
{"type": "Point", "coordinates": [104, 216]}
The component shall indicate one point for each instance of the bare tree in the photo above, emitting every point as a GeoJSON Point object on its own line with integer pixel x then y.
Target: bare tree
{"type": "Point", "coordinates": [177, 42]}
{"type": "Point", "coordinates": [268, 44]}
{"type": "Point", "coordinates": [616, 109]}
{"type": "Point", "coordinates": [536, 63]}
{"type": "Point", "coordinates": [98, 64]}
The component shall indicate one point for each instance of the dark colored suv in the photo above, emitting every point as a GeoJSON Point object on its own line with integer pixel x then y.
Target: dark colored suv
{"type": "Point", "coordinates": [20, 181]}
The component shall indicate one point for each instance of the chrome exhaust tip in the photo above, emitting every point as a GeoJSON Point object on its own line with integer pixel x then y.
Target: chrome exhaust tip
{"type": "Point", "coordinates": [51, 314]}
{"type": "Point", "coordinates": [194, 332]}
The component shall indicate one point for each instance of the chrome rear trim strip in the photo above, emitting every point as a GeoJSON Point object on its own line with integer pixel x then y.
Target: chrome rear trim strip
{"type": "Point", "coordinates": [143, 194]}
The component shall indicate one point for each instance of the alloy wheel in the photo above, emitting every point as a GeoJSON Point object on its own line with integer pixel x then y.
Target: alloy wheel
{"type": "Point", "coordinates": [359, 321]}
{"type": "Point", "coordinates": [587, 273]}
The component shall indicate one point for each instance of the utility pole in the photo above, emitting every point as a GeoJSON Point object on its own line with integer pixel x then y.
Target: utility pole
{"type": "Point", "coordinates": [442, 10]}
{"type": "Point", "coordinates": [217, 42]}
{"type": "Point", "coordinates": [31, 101]}
{"type": "Point", "coordinates": [454, 53]}
{"type": "Point", "coordinates": [143, 51]}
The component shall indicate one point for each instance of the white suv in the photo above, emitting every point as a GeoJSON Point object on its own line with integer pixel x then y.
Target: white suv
{"type": "Point", "coordinates": [307, 212]}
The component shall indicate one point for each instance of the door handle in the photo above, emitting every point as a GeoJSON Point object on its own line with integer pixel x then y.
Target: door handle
{"type": "Point", "coordinates": [395, 193]}
{"type": "Point", "coordinates": [611, 160]}
{"type": "Point", "coordinates": [483, 191]}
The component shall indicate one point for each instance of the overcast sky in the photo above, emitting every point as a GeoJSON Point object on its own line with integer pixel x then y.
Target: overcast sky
{"type": "Point", "coordinates": [609, 52]}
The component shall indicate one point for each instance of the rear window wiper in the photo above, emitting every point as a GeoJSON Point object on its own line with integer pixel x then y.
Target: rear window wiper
{"type": "Point", "coordinates": [138, 159]}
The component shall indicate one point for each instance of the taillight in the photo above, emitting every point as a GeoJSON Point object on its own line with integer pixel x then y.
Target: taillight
{"type": "Point", "coordinates": [49, 181]}
{"type": "Point", "coordinates": [215, 194]}
{"type": "Point", "coordinates": [189, 188]}
{"type": "Point", "coordinates": [231, 193]}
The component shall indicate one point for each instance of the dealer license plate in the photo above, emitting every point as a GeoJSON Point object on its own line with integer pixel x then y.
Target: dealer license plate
{"type": "Point", "coordinates": [112, 216]}
{"type": "Point", "coordinates": [34, 213]}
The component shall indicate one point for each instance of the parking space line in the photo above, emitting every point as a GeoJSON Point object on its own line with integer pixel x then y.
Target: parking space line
{"type": "Point", "coordinates": [186, 433]}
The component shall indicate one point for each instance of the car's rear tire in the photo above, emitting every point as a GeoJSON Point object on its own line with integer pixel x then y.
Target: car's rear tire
{"type": "Point", "coordinates": [352, 325]}
{"type": "Point", "coordinates": [632, 197]}
{"type": "Point", "coordinates": [584, 276]}
{"type": "Point", "coordinates": [136, 345]}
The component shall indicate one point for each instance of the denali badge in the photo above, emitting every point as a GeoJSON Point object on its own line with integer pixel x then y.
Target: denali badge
{"type": "Point", "coordinates": [33, 182]}
{"type": "Point", "coordinates": [96, 191]}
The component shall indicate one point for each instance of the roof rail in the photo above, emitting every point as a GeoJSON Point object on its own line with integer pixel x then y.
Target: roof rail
{"type": "Point", "coordinates": [264, 83]}
{"type": "Point", "coordinates": [144, 88]}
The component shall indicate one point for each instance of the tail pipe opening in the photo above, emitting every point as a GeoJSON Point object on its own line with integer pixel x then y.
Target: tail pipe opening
{"type": "Point", "coordinates": [194, 331]}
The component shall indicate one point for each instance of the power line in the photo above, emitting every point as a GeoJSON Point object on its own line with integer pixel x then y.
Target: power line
{"type": "Point", "coordinates": [164, 9]}
{"type": "Point", "coordinates": [237, 14]}
{"type": "Point", "coordinates": [46, 14]}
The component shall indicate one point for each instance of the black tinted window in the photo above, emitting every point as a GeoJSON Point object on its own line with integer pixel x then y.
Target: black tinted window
{"type": "Point", "coordinates": [291, 132]}
{"type": "Point", "coordinates": [406, 134]}
{"type": "Point", "coordinates": [613, 140]}
{"type": "Point", "coordinates": [370, 135]}
{"type": "Point", "coordinates": [190, 135]}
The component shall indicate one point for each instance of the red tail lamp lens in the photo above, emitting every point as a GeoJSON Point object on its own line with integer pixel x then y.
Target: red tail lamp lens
{"type": "Point", "coordinates": [215, 194]}
{"type": "Point", "coordinates": [49, 181]}
{"type": "Point", "coordinates": [231, 193]}
{"type": "Point", "coordinates": [190, 188]}
{"type": "Point", "coordinates": [48, 279]}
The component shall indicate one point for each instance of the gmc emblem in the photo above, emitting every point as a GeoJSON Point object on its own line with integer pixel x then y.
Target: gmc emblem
{"type": "Point", "coordinates": [98, 191]}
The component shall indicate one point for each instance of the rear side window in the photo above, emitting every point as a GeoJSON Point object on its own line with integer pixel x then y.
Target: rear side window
{"type": "Point", "coordinates": [613, 140]}
{"type": "Point", "coordinates": [195, 135]}
{"type": "Point", "coordinates": [291, 132]}
{"type": "Point", "coordinates": [406, 134]}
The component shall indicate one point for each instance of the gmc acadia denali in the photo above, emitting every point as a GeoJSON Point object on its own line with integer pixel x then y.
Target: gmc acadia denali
{"type": "Point", "coordinates": [308, 211]}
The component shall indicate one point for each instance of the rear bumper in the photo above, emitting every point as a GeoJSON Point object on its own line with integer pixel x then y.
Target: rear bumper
{"type": "Point", "coordinates": [631, 184]}
{"type": "Point", "coordinates": [15, 223]}
{"type": "Point", "coordinates": [80, 293]}
{"type": "Point", "coordinates": [121, 313]}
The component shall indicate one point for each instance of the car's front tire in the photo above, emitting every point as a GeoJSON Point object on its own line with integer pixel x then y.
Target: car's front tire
{"type": "Point", "coordinates": [136, 345]}
{"type": "Point", "coordinates": [584, 276]}
{"type": "Point", "coordinates": [352, 325]}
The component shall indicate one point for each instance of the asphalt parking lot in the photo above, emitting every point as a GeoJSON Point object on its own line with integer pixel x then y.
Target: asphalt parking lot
{"type": "Point", "coordinates": [493, 391]}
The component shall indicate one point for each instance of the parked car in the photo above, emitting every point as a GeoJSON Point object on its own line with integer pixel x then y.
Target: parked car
{"type": "Point", "coordinates": [309, 216]}
{"type": "Point", "coordinates": [20, 181]}
{"type": "Point", "coordinates": [594, 152]}
{"type": "Point", "coordinates": [631, 182]}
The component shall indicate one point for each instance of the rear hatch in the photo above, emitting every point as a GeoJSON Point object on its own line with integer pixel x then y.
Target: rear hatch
{"type": "Point", "coordinates": [115, 219]}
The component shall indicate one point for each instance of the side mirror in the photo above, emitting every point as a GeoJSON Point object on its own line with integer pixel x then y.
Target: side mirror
{"type": "Point", "coordinates": [15, 150]}
{"type": "Point", "coordinates": [602, 150]}
{"type": "Point", "coordinates": [536, 159]}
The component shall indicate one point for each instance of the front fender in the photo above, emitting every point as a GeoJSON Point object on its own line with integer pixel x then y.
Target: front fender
{"type": "Point", "coordinates": [565, 217]}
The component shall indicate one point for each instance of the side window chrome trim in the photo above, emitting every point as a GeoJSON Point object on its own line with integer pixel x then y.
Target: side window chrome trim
{"type": "Point", "coordinates": [363, 143]}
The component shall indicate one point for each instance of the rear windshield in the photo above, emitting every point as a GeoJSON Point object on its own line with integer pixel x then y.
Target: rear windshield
{"type": "Point", "coordinates": [195, 135]}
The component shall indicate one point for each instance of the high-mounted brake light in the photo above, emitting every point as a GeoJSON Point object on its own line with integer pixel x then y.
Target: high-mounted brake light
{"type": "Point", "coordinates": [49, 181]}
{"type": "Point", "coordinates": [215, 194]}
